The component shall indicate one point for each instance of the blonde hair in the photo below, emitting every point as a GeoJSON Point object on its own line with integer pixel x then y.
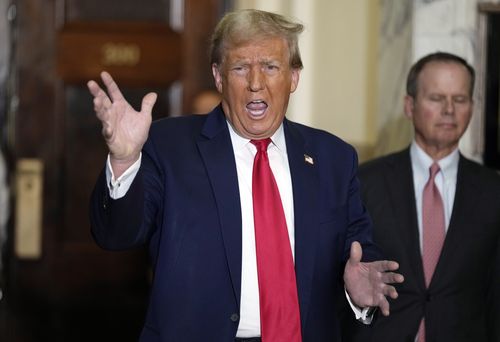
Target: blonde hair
{"type": "Point", "coordinates": [243, 26]}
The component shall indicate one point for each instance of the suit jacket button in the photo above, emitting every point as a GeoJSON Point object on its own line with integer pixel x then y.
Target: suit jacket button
{"type": "Point", "coordinates": [428, 297]}
{"type": "Point", "coordinates": [235, 317]}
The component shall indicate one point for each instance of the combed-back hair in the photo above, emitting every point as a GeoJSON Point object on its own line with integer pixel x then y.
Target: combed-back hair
{"type": "Point", "coordinates": [445, 57]}
{"type": "Point", "coordinates": [240, 27]}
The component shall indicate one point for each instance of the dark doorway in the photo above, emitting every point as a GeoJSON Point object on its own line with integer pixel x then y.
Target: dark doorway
{"type": "Point", "coordinates": [61, 286]}
{"type": "Point", "coordinates": [492, 95]}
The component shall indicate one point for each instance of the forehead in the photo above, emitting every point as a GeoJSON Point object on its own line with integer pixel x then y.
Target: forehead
{"type": "Point", "coordinates": [258, 49]}
{"type": "Point", "coordinates": [444, 77]}
{"type": "Point", "coordinates": [444, 73]}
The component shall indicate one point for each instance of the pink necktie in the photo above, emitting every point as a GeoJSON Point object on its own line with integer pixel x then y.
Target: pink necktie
{"type": "Point", "coordinates": [433, 225]}
{"type": "Point", "coordinates": [279, 306]}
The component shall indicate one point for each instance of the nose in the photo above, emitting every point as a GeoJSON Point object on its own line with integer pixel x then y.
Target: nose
{"type": "Point", "coordinates": [449, 107]}
{"type": "Point", "coordinates": [255, 79]}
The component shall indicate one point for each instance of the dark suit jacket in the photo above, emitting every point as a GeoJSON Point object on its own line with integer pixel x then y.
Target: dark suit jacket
{"type": "Point", "coordinates": [463, 300]}
{"type": "Point", "coordinates": [184, 203]}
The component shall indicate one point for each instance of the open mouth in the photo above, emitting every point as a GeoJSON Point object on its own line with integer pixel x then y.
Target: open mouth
{"type": "Point", "coordinates": [257, 108]}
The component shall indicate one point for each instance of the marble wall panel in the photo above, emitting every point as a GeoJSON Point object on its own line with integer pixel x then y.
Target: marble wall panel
{"type": "Point", "coordinates": [395, 52]}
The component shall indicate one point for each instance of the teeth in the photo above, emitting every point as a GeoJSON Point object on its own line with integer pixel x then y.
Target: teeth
{"type": "Point", "coordinates": [257, 112]}
{"type": "Point", "coordinates": [257, 108]}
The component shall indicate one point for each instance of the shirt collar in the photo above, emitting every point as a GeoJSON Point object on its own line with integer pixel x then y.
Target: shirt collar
{"type": "Point", "coordinates": [421, 162]}
{"type": "Point", "coordinates": [278, 138]}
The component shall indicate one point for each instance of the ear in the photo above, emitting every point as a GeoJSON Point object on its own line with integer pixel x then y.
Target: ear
{"type": "Point", "coordinates": [295, 79]}
{"type": "Point", "coordinates": [409, 106]}
{"type": "Point", "coordinates": [217, 77]}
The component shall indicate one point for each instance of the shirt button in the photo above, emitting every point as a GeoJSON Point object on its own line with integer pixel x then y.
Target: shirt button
{"type": "Point", "coordinates": [235, 317]}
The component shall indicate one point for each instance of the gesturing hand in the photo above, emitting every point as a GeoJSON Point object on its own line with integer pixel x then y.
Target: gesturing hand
{"type": "Point", "coordinates": [367, 283]}
{"type": "Point", "coordinates": [124, 129]}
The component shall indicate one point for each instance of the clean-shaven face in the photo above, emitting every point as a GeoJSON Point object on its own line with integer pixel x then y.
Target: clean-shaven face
{"type": "Point", "coordinates": [442, 107]}
{"type": "Point", "coordinates": [256, 81]}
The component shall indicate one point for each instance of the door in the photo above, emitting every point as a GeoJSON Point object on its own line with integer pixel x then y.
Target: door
{"type": "Point", "coordinates": [59, 285]}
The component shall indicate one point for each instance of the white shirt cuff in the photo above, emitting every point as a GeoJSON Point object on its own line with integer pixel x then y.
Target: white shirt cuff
{"type": "Point", "coordinates": [364, 315]}
{"type": "Point", "coordinates": [119, 187]}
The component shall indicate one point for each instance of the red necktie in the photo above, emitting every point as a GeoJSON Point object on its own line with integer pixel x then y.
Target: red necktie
{"type": "Point", "coordinates": [279, 306]}
{"type": "Point", "coordinates": [433, 225]}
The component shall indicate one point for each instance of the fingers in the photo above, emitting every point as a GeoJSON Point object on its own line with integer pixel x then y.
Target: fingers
{"type": "Point", "coordinates": [94, 88]}
{"type": "Point", "coordinates": [384, 306]}
{"type": "Point", "coordinates": [390, 265]}
{"type": "Point", "coordinates": [389, 290]}
{"type": "Point", "coordinates": [392, 278]}
{"type": "Point", "coordinates": [383, 303]}
{"type": "Point", "coordinates": [111, 86]}
{"type": "Point", "coordinates": [102, 104]}
{"type": "Point", "coordinates": [101, 99]}
{"type": "Point", "coordinates": [148, 102]}
{"type": "Point", "coordinates": [356, 252]}
{"type": "Point", "coordinates": [385, 265]}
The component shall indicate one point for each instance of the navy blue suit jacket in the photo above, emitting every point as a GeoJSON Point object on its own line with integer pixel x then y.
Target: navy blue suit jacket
{"type": "Point", "coordinates": [184, 204]}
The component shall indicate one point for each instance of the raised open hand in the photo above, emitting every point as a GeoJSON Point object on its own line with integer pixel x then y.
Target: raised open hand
{"type": "Point", "coordinates": [367, 283]}
{"type": "Point", "coordinates": [124, 129]}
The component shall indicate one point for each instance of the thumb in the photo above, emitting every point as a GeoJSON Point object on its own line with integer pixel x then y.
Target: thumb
{"type": "Point", "coordinates": [148, 102]}
{"type": "Point", "coordinates": [356, 252]}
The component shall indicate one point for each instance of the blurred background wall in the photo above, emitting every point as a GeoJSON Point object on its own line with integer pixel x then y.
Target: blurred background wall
{"type": "Point", "coordinates": [357, 54]}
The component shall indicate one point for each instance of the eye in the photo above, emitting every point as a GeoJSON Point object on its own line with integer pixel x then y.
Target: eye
{"type": "Point", "coordinates": [239, 69]}
{"type": "Point", "coordinates": [436, 98]}
{"type": "Point", "coordinates": [461, 99]}
{"type": "Point", "coordinates": [270, 68]}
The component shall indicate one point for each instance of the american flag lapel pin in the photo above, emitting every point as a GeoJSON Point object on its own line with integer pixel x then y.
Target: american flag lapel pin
{"type": "Point", "coordinates": [308, 159]}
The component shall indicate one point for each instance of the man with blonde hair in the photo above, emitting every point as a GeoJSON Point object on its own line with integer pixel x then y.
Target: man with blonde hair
{"type": "Point", "coordinates": [254, 223]}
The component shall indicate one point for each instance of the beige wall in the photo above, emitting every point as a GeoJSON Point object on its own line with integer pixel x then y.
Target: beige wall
{"type": "Point", "coordinates": [337, 90]}
{"type": "Point", "coordinates": [345, 70]}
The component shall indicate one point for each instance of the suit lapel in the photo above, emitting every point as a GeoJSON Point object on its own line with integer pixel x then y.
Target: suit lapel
{"type": "Point", "coordinates": [305, 185]}
{"type": "Point", "coordinates": [465, 194]}
{"type": "Point", "coordinates": [402, 194]}
{"type": "Point", "coordinates": [217, 153]}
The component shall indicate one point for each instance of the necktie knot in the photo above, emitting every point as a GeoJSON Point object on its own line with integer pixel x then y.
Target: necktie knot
{"type": "Point", "coordinates": [261, 144]}
{"type": "Point", "coordinates": [433, 170]}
